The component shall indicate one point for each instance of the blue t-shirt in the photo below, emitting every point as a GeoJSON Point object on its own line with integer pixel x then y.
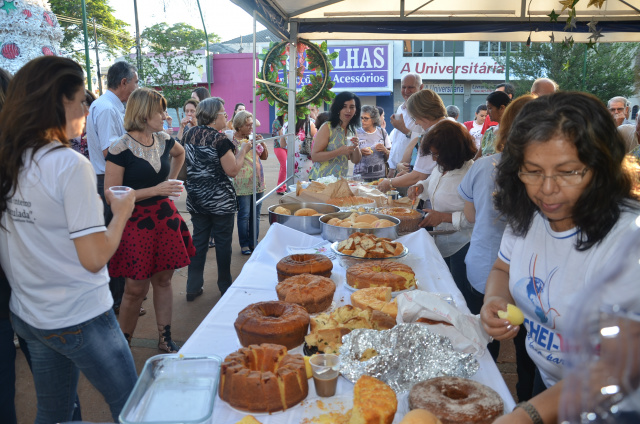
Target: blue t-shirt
{"type": "Point", "coordinates": [477, 187]}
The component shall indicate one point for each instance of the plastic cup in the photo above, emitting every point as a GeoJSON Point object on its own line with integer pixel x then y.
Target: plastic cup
{"type": "Point", "coordinates": [229, 134]}
{"type": "Point", "coordinates": [325, 369]}
{"type": "Point", "coordinates": [119, 191]}
{"type": "Point", "coordinates": [174, 198]}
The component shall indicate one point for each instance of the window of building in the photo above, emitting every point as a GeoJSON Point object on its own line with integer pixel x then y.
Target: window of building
{"type": "Point", "coordinates": [433, 48]}
{"type": "Point", "coordinates": [494, 48]}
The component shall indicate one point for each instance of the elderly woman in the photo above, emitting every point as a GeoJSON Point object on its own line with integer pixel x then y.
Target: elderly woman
{"type": "Point", "coordinates": [189, 118]}
{"type": "Point", "coordinates": [335, 144]}
{"type": "Point", "coordinates": [243, 182]}
{"type": "Point", "coordinates": [211, 199]}
{"type": "Point", "coordinates": [427, 109]}
{"type": "Point", "coordinates": [374, 145]}
{"type": "Point", "coordinates": [54, 244]}
{"type": "Point", "coordinates": [143, 159]}
{"type": "Point", "coordinates": [568, 200]}
{"type": "Point", "coordinates": [451, 146]}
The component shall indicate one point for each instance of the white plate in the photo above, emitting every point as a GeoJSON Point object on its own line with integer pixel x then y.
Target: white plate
{"type": "Point", "coordinates": [334, 247]}
{"type": "Point", "coordinates": [340, 404]}
{"type": "Point", "coordinates": [393, 293]}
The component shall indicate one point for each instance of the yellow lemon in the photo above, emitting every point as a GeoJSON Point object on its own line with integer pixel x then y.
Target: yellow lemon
{"type": "Point", "coordinates": [513, 314]}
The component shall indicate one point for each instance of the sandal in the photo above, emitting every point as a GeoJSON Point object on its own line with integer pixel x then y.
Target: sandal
{"type": "Point", "coordinates": [212, 244]}
{"type": "Point", "coordinates": [165, 343]}
{"type": "Point", "coordinates": [246, 251]}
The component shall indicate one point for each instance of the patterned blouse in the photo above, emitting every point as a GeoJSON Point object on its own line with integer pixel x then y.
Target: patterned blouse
{"type": "Point", "coordinates": [243, 182]}
{"type": "Point", "coordinates": [209, 189]}
{"type": "Point", "coordinates": [338, 166]}
{"type": "Point", "coordinates": [488, 141]}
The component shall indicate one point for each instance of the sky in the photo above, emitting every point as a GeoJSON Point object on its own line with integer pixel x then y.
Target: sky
{"type": "Point", "coordinates": [221, 16]}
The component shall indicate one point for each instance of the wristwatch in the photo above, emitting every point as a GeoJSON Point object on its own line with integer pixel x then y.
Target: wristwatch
{"type": "Point", "coordinates": [408, 134]}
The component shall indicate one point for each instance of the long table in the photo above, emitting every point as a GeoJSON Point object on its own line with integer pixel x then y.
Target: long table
{"type": "Point", "coordinates": [257, 281]}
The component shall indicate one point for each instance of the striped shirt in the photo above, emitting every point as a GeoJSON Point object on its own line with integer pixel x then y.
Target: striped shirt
{"type": "Point", "coordinates": [105, 125]}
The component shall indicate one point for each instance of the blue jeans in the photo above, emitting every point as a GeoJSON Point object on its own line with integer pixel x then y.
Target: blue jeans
{"type": "Point", "coordinates": [221, 227]}
{"type": "Point", "coordinates": [245, 214]}
{"type": "Point", "coordinates": [96, 347]}
{"type": "Point", "coordinates": [7, 372]}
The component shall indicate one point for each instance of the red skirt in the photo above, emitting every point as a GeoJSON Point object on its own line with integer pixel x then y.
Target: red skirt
{"type": "Point", "coordinates": [155, 239]}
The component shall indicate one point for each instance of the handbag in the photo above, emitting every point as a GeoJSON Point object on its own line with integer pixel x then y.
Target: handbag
{"type": "Point", "coordinates": [305, 147]}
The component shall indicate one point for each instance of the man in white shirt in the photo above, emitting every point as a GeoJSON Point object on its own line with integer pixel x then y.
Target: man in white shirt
{"type": "Point", "coordinates": [105, 123]}
{"type": "Point", "coordinates": [404, 128]}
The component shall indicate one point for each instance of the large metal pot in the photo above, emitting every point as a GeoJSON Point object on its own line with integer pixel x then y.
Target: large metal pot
{"type": "Point", "coordinates": [306, 224]}
{"type": "Point", "coordinates": [333, 233]}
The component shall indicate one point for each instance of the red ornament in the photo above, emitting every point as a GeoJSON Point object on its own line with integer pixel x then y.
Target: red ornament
{"type": "Point", "coordinates": [48, 18]}
{"type": "Point", "coordinates": [10, 50]}
{"type": "Point", "coordinates": [26, 13]}
{"type": "Point", "coordinates": [48, 51]}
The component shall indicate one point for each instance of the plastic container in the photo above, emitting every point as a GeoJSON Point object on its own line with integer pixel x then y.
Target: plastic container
{"type": "Point", "coordinates": [174, 389]}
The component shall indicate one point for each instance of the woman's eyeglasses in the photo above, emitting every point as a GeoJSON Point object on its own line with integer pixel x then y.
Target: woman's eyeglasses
{"type": "Point", "coordinates": [364, 118]}
{"type": "Point", "coordinates": [563, 179]}
{"type": "Point", "coordinates": [223, 113]}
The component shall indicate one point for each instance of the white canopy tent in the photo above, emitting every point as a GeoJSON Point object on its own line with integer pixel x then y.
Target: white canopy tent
{"type": "Point", "coordinates": [448, 20]}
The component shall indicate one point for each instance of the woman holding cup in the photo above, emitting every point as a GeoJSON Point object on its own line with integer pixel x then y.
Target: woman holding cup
{"type": "Point", "coordinates": [374, 145]}
{"type": "Point", "coordinates": [335, 143]}
{"type": "Point", "coordinates": [143, 159]}
{"type": "Point", "coordinates": [189, 118]}
{"type": "Point", "coordinates": [55, 245]}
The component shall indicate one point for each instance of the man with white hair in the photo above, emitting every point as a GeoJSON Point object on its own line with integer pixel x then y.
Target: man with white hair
{"type": "Point", "coordinates": [404, 128]}
{"type": "Point", "coordinates": [619, 108]}
{"type": "Point", "coordinates": [543, 86]}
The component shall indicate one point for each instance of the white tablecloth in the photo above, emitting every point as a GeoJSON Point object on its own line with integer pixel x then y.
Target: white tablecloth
{"type": "Point", "coordinates": [257, 281]}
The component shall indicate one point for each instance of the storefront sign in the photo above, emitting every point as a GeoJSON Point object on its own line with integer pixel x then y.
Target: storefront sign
{"type": "Point", "coordinates": [442, 68]}
{"type": "Point", "coordinates": [360, 67]}
{"type": "Point", "coordinates": [445, 88]}
{"type": "Point", "coordinates": [481, 89]}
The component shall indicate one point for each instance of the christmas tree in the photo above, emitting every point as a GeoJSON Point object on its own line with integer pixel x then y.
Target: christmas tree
{"type": "Point", "coordinates": [28, 29]}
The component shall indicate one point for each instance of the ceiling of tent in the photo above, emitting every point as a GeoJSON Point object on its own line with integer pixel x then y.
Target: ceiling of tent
{"type": "Point", "coordinates": [490, 20]}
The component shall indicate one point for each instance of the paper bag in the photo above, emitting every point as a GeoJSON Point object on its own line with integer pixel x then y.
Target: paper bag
{"type": "Point", "coordinates": [466, 332]}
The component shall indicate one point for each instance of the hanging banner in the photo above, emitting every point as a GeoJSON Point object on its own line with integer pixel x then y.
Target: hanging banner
{"type": "Point", "coordinates": [444, 88]}
{"type": "Point", "coordinates": [442, 68]}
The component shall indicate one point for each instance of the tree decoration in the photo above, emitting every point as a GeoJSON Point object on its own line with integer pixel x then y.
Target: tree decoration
{"type": "Point", "coordinates": [309, 56]}
{"type": "Point", "coordinates": [571, 21]}
{"type": "Point", "coordinates": [553, 16]}
{"type": "Point", "coordinates": [28, 29]}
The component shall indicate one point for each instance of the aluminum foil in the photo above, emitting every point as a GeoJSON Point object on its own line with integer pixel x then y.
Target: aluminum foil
{"type": "Point", "coordinates": [407, 354]}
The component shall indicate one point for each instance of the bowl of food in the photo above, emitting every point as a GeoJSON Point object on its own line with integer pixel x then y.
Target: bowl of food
{"type": "Point", "coordinates": [353, 202]}
{"type": "Point", "coordinates": [303, 216]}
{"type": "Point", "coordinates": [339, 226]}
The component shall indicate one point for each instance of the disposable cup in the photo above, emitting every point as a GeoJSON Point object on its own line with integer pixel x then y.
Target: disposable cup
{"type": "Point", "coordinates": [174, 198]}
{"type": "Point", "coordinates": [229, 134]}
{"type": "Point", "coordinates": [119, 191]}
{"type": "Point", "coordinates": [325, 369]}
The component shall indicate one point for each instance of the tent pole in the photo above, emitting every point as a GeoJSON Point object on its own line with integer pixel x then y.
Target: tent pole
{"type": "Point", "coordinates": [453, 80]}
{"type": "Point", "coordinates": [253, 138]}
{"type": "Point", "coordinates": [293, 56]}
{"type": "Point", "coordinates": [506, 68]}
{"type": "Point", "coordinates": [206, 36]}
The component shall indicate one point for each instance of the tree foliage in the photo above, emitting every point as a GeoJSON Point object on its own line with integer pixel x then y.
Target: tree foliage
{"type": "Point", "coordinates": [73, 40]}
{"type": "Point", "coordinates": [171, 59]}
{"type": "Point", "coordinates": [610, 67]}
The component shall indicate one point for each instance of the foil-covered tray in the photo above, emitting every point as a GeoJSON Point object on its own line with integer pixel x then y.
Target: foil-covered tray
{"type": "Point", "coordinates": [406, 354]}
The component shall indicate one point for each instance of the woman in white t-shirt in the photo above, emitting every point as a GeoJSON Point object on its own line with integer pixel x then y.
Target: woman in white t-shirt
{"type": "Point", "coordinates": [568, 200]}
{"type": "Point", "coordinates": [475, 126]}
{"type": "Point", "coordinates": [374, 145]}
{"type": "Point", "coordinates": [54, 245]}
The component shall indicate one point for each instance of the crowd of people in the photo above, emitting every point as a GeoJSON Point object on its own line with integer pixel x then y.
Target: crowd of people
{"type": "Point", "coordinates": [528, 201]}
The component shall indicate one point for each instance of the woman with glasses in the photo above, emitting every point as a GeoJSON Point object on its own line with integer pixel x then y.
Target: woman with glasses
{"type": "Point", "coordinates": [212, 159]}
{"type": "Point", "coordinates": [567, 200]}
{"type": "Point", "coordinates": [374, 145]}
{"type": "Point", "coordinates": [452, 148]}
{"type": "Point", "coordinates": [336, 143]}
{"type": "Point", "coordinates": [156, 240]}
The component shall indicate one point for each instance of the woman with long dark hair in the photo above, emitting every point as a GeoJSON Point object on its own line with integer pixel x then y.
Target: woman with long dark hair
{"type": "Point", "coordinates": [54, 245]}
{"type": "Point", "coordinates": [336, 143]}
{"type": "Point", "coordinates": [568, 200]}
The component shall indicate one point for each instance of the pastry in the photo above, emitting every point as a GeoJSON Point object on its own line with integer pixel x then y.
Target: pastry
{"type": "Point", "coordinates": [304, 264]}
{"type": "Point", "coordinates": [272, 322]}
{"type": "Point", "coordinates": [312, 292]}
{"type": "Point", "coordinates": [378, 298]}
{"type": "Point", "coordinates": [281, 210]}
{"type": "Point", "coordinates": [409, 218]}
{"type": "Point", "coordinates": [374, 402]}
{"type": "Point", "coordinates": [263, 378]}
{"type": "Point", "coordinates": [392, 274]}
{"type": "Point", "coordinates": [457, 400]}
